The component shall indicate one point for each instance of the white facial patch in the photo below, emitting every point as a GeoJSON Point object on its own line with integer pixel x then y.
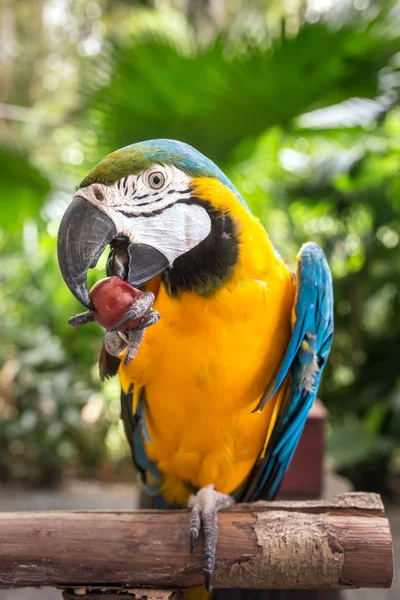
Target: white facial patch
{"type": "Point", "coordinates": [159, 218]}
{"type": "Point", "coordinates": [174, 231]}
{"type": "Point", "coordinates": [136, 195]}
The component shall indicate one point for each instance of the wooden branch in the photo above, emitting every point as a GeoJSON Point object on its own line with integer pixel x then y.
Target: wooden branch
{"type": "Point", "coordinates": [119, 594]}
{"type": "Point", "coordinates": [343, 543]}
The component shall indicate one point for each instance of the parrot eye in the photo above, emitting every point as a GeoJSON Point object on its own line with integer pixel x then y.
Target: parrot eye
{"type": "Point", "coordinates": [156, 180]}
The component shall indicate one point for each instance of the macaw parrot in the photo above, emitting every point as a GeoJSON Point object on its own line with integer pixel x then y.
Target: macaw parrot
{"type": "Point", "coordinates": [216, 399]}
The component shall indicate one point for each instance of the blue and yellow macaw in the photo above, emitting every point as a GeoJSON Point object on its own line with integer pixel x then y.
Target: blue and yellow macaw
{"type": "Point", "coordinates": [216, 400]}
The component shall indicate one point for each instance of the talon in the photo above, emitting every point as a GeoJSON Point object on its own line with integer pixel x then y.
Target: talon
{"type": "Point", "coordinates": [205, 506]}
{"type": "Point", "coordinates": [195, 525]}
{"type": "Point", "coordinates": [152, 318]}
{"type": "Point", "coordinates": [207, 579]}
{"type": "Point", "coordinates": [115, 342]}
{"type": "Point", "coordinates": [140, 309]}
{"type": "Point", "coordinates": [135, 339]}
{"type": "Point", "coordinates": [193, 537]}
{"type": "Point", "coordinates": [81, 318]}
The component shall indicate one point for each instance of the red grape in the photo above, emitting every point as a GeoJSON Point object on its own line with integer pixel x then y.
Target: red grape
{"type": "Point", "coordinates": [111, 297]}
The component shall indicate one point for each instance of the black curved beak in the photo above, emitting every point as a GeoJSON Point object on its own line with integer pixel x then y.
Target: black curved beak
{"type": "Point", "coordinates": [84, 233]}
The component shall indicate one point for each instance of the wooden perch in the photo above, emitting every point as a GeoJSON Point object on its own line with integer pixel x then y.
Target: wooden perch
{"type": "Point", "coordinates": [343, 543]}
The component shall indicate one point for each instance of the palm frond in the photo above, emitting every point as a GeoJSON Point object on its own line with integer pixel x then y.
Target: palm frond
{"type": "Point", "coordinates": [215, 97]}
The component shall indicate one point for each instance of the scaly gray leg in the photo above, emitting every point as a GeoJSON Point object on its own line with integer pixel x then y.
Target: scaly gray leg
{"type": "Point", "coordinates": [205, 505]}
{"type": "Point", "coordinates": [117, 341]}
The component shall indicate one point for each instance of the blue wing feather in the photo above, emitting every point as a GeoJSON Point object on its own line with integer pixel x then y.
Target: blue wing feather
{"type": "Point", "coordinates": [136, 431]}
{"type": "Point", "coordinates": [310, 343]}
{"type": "Point", "coordinates": [304, 361]}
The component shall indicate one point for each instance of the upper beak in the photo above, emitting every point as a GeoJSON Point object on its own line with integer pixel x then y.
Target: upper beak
{"type": "Point", "coordinates": [84, 233]}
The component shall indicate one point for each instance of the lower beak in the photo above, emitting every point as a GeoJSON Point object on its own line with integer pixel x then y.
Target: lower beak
{"type": "Point", "coordinates": [145, 262]}
{"type": "Point", "coordinates": [84, 233]}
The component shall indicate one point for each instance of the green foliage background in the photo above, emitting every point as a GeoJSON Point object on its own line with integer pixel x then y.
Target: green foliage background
{"type": "Point", "coordinates": [298, 106]}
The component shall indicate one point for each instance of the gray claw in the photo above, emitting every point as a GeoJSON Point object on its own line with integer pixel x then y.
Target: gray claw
{"type": "Point", "coordinates": [135, 339]}
{"type": "Point", "coordinates": [152, 318]}
{"type": "Point", "coordinates": [118, 341]}
{"type": "Point", "coordinates": [205, 505]}
{"type": "Point", "coordinates": [195, 526]}
{"type": "Point", "coordinates": [115, 342]}
{"type": "Point", "coordinates": [81, 318]}
{"type": "Point", "coordinates": [141, 307]}
{"type": "Point", "coordinates": [207, 579]}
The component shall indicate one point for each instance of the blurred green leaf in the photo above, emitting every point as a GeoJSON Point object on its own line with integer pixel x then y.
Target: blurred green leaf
{"type": "Point", "coordinates": [215, 97]}
{"type": "Point", "coordinates": [351, 444]}
{"type": "Point", "coordinates": [23, 190]}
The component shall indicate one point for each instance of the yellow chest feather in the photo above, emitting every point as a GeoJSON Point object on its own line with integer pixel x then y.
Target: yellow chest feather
{"type": "Point", "coordinates": [205, 365]}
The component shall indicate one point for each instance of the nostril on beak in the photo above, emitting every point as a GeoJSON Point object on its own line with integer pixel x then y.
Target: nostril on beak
{"type": "Point", "coordinates": [98, 193]}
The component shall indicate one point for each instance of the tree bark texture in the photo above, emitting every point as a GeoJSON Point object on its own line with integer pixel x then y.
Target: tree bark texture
{"type": "Point", "coordinates": [342, 543]}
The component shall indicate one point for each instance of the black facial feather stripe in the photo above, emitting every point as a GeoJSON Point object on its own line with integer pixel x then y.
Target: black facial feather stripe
{"type": "Point", "coordinates": [156, 211]}
{"type": "Point", "coordinates": [187, 191]}
{"type": "Point", "coordinates": [207, 266]}
{"type": "Point", "coordinates": [147, 203]}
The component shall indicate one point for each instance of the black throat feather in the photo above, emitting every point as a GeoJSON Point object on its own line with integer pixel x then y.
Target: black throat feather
{"type": "Point", "coordinates": [207, 266]}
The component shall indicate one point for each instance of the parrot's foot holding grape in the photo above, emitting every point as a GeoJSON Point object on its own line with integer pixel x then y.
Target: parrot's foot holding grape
{"type": "Point", "coordinates": [124, 311]}
{"type": "Point", "coordinates": [205, 506]}
{"type": "Point", "coordinates": [117, 341]}
{"type": "Point", "coordinates": [139, 315]}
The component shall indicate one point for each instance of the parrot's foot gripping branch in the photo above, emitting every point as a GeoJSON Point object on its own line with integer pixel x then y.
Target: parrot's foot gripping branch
{"type": "Point", "coordinates": [205, 506]}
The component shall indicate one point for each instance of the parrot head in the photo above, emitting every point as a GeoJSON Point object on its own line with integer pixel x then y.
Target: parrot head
{"type": "Point", "coordinates": [144, 201]}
